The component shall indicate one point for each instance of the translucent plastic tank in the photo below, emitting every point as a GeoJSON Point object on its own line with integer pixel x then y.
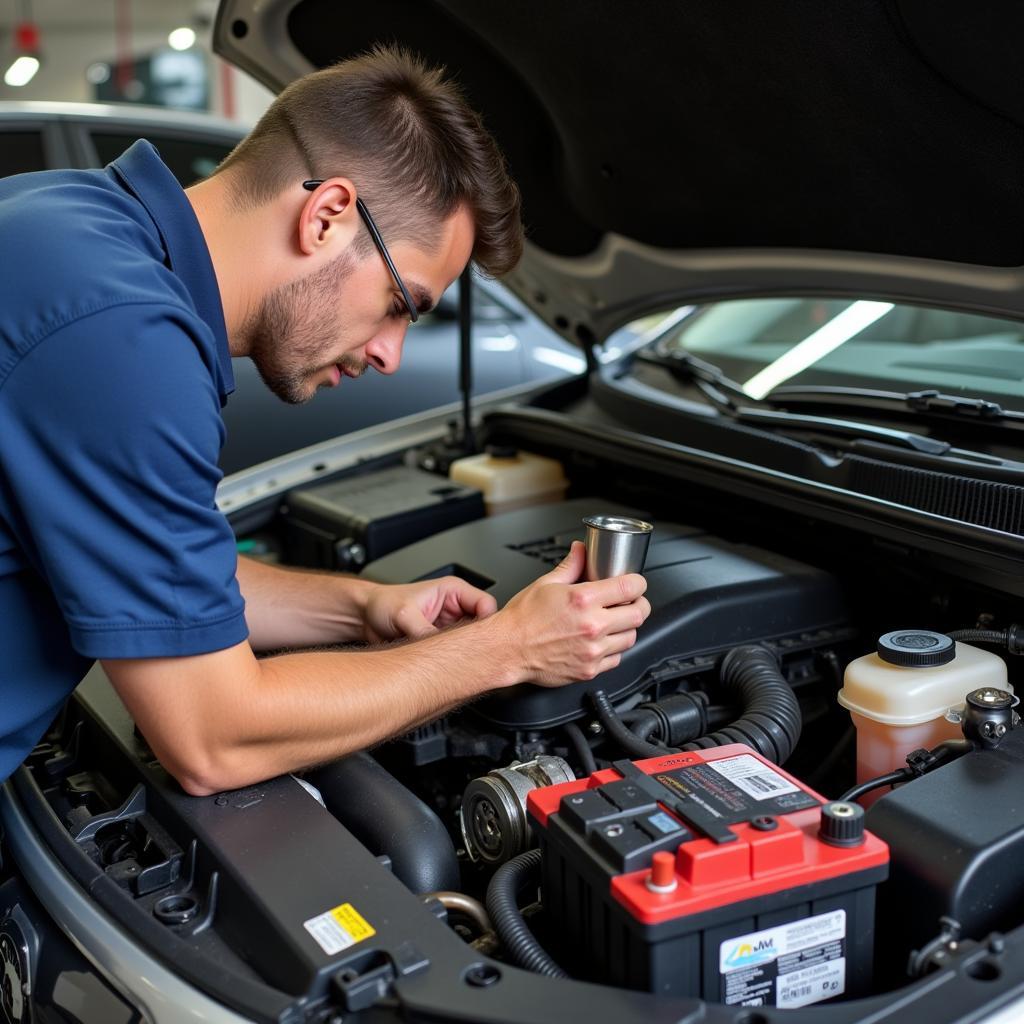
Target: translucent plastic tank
{"type": "Point", "coordinates": [511, 479]}
{"type": "Point", "coordinates": [908, 695]}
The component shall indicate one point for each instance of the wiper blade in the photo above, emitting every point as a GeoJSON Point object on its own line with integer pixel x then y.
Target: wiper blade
{"type": "Point", "coordinates": [928, 401]}
{"type": "Point", "coordinates": [845, 428]}
{"type": "Point", "coordinates": [720, 390]}
{"type": "Point", "coordinates": [686, 367]}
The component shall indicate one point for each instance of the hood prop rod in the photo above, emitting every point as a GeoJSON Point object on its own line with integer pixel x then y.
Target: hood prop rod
{"type": "Point", "coordinates": [466, 357]}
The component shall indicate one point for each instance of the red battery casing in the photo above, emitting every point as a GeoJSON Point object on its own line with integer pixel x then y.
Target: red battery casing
{"type": "Point", "coordinates": [753, 907]}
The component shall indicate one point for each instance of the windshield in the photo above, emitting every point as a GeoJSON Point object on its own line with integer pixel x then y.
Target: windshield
{"type": "Point", "coordinates": [767, 343]}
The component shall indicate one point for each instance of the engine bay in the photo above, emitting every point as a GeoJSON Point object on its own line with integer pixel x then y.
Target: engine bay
{"type": "Point", "coordinates": [679, 828]}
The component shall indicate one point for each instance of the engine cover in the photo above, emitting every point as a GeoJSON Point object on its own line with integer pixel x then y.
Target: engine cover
{"type": "Point", "coordinates": [706, 594]}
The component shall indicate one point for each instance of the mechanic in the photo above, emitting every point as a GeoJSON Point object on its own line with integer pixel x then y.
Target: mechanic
{"type": "Point", "coordinates": [360, 196]}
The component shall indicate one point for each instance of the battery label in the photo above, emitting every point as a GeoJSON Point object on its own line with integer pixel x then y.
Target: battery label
{"type": "Point", "coordinates": [754, 777]}
{"type": "Point", "coordinates": [788, 966]}
{"type": "Point", "coordinates": [732, 789]}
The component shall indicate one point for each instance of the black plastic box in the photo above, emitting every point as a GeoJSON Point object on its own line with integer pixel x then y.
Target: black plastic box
{"type": "Point", "coordinates": [956, 838]}
{"type": "Point", "coordinates": [344, 525]}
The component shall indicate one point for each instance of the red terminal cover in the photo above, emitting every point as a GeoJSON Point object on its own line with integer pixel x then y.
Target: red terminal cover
{"type": "Point", "coordinates": [711, 875]}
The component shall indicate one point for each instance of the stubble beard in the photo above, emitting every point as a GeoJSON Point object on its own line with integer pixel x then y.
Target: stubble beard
{"type": "Point", "coordinates": [294, 327]}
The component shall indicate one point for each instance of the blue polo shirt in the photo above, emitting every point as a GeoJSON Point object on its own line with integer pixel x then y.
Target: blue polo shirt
{"type": "Point", "coordinates": [114, 366]}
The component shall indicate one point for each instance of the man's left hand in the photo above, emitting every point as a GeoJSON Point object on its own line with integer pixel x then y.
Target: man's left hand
{"type": "Point", "coordinates": [415, 610]}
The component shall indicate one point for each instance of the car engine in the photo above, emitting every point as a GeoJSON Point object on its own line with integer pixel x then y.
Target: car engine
{"type": "Point", "coordinates": [705, 821]}
{"type": "Point", "coordinates": [669, 851]}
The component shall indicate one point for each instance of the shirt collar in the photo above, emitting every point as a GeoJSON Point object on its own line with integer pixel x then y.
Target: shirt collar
{"type": "Point", "coordinates": [152, 183]}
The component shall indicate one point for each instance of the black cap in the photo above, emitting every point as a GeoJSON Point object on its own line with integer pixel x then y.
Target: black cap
{"type": "Point", "coordinates": [916, 648]}
{"type": "Point", "coordinates": [502, 451]}
{"type": "Point", "coordinates": [842, 824]}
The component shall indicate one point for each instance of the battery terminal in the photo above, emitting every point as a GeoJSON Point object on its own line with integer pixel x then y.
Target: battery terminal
{"type": "Point", "coordinates": [662, 877]}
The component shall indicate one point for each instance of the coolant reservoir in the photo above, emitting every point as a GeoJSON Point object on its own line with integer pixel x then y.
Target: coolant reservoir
{"type": "Point", "coordinates": [907, 694]}
{"type": "Point", "coordinates": [511, 479]}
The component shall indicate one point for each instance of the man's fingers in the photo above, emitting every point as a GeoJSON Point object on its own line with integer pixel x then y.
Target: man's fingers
{"type": "Point", "coordinates": [616, 590]}
{"type": "Point", "coordinates": [626, 616]}
{"type": "Point", "coordinates": [412, 623]}
{"type": "Point", "coordinates": [465, 599]}
{"type": "Point", "coordinates": [619, 642]}
{"type": "Point", "coordinates": [570, 569]}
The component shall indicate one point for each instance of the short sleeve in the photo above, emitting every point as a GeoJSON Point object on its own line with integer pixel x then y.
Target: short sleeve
{"type": "Point", "coordinates": [110, 431]}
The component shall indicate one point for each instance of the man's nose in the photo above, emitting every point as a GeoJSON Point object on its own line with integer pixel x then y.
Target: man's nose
{"type": "Point", "coordinates": [384, 350]}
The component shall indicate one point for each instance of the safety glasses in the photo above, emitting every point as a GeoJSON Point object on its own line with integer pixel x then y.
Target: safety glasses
{"type": "Point", "coordinates": [315, 183]}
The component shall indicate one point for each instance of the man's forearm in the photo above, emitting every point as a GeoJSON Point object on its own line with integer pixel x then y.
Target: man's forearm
{"type": "Point", "coordinates": [291, 608]}
{"type": "Point", "coordinates": [226, 719]}
{"type": "Point", "coordinates": [356, 699]}
{"type": "Point", "coordinates": [238, 720]}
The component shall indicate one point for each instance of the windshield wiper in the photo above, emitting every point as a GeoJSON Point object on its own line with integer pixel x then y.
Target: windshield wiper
{"type": "Point", "coordinates": [931, 401]}
{"type": "Point", "coordinates": [729, 398]}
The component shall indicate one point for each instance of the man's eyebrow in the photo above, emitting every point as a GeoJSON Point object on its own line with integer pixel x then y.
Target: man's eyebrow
{"type": "Point", "coordinates": [421, 296]}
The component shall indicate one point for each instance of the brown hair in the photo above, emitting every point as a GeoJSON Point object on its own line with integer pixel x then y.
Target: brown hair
{"type": "Point", "coordinates": [406, 137]}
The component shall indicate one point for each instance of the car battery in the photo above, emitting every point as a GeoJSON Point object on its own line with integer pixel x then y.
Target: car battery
{"type": "Point", "coordinates": [712, 874]}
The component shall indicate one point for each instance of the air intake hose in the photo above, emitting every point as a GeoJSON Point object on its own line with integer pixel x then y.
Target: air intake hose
{"type": "Point", "coordinates": [503, 908]}
{"type": "Point", "coordinates": [390, 819]}
{"type": "Point", "coordinates": [770, 720]}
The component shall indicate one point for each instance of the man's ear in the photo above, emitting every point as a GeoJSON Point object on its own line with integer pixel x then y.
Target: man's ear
{"type": "Point", "coordinates": [329, 217]}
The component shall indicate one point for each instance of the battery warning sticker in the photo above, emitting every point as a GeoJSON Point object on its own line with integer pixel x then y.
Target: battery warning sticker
{"type": "Point", "coordinates": [339, 928]}
{"type": "Point", "coordinates": [792, 965]}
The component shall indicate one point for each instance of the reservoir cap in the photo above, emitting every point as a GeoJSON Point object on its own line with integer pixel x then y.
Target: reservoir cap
{"type": "Point", "coordinates": [916, 648]}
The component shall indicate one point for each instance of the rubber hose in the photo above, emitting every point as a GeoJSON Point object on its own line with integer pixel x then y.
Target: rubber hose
{"type": "Point", "coordinates": [889, 779]}
{"type": "Point", "coordinates": [390, 819]}
{"type": "Point", "coordinates": [581, 747]}
{"type": "Point", "coordinates": [503, 909]}
{"type": "Point", "coordinates": [645, 727]}
{"type": "Point", "coordinates": [620, 733]}
{"type": "Point", "coordinates": [770, 721]}
{"type": "Point", "coordinates": [641, 722]}
{"type": "Point", "coordinates": [980, 636]}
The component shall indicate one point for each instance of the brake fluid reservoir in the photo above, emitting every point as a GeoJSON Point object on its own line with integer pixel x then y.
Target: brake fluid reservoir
{"type": "Point", "coordinates": [908, 693]}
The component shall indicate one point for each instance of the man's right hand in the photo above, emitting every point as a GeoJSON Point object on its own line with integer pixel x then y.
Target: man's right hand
{"type": "Point", "coordinates": [561, 631]}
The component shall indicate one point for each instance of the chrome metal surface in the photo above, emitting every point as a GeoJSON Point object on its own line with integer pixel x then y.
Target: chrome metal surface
{"type": "Point", "coordinates": [616, 545]}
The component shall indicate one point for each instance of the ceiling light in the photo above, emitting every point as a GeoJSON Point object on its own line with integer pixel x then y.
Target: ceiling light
{"type": "Point", "coordinates": [98, 73]}
{"type": "Point", "coordinates": [181, 38]}
{"type": "Point", "coordinates": [22, 71]}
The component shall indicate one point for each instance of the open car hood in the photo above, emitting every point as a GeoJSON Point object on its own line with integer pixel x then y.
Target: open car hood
{"type": "Point", "coordinates": [674, 152]}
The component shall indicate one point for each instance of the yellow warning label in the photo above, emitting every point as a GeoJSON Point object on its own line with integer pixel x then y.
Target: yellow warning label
{"type": "Point", "coordinates": [353, 922]}
{"type": "Point", "coordinates": [337, 929]}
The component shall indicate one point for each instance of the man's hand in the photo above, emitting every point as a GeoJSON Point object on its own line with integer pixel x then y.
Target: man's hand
{"type": "Point", "coordinates": [417, 610]}
{"type": "Point", "coordinates": [226, 719]}
{"type": "Point", "coordinates": [561, 631]}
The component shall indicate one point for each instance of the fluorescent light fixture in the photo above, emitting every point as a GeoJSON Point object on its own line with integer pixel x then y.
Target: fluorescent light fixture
{"type": "Point", "coordinates": [855, 318]}
{"type": "Point", "coordinates": [22, 71]}
{"type": "Point", "coordinates": [181, 38]}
